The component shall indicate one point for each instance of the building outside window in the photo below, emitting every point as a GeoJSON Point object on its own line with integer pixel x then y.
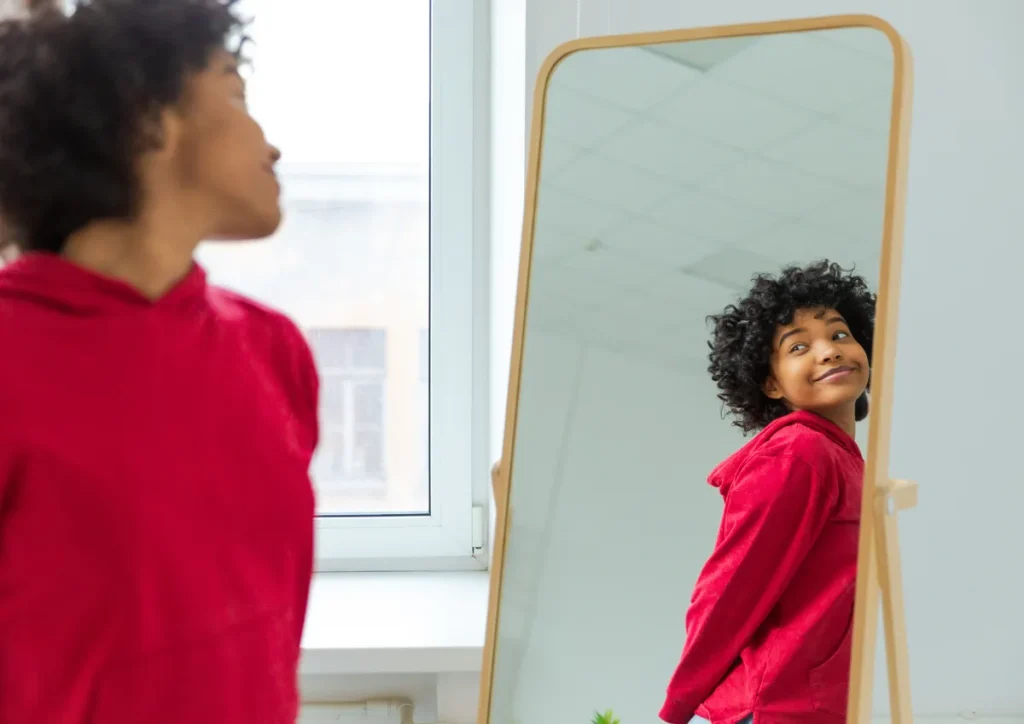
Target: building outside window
{"type": "Point", "coordinates": [374, 261]}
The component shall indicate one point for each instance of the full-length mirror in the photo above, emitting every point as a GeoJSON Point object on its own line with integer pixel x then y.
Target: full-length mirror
{"type": "Point", "coordinates": [693, 379]}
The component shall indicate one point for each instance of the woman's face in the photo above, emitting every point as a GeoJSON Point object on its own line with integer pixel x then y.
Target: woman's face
{"type": "Point", "coordinates": [223, 161]}
{"type": "Point", "coordinates": [816, 364]}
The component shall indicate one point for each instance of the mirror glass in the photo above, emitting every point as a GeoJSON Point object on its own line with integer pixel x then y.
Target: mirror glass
{"type": "Point", "coordinates": [670, 176]}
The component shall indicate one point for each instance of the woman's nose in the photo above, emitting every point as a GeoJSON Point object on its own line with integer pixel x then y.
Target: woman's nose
{"type": "Point", "coordinates": [830, 353]}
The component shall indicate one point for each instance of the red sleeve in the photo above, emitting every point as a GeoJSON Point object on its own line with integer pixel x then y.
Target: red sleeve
{"type": "Point", "coordinates": [303, 385]}
{"type": "Point", "coordinates": [774, 512]}
{"type": "Point", "coordinates": [309, 417]}
{"type": "Point", "coordinates": [5, 476]}
{"type": "Point", "coordinates": [7, 469]}
{"type": "Point", "coordinates": [307, 391]}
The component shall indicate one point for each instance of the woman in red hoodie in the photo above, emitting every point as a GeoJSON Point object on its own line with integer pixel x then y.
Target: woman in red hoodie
{"type": "Point", "coordinates": [768, 631]}
{"type": "Point", "coordinates": [156, 513]}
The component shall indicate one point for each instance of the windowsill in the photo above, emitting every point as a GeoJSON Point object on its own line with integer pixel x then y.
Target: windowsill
{"type": "Point", "coordinates": [388, 623]}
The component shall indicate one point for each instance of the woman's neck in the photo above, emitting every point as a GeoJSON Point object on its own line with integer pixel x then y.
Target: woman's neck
{"type": "Point", "coordinates": [131, 253]}
{"type": "Point", "coordinates": [844, 417]}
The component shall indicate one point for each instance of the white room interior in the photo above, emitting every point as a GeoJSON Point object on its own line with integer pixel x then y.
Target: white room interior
{"type": "Point", "coordinates": [964, 639]}
{"type": "Point", "coordinates": [419, 636]}
{"type": "Point", "coordinates": [954, 434]}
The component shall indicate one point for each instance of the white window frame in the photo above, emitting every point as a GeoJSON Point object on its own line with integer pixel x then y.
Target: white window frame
{"type": "Point", "coordinates": [450, 537]}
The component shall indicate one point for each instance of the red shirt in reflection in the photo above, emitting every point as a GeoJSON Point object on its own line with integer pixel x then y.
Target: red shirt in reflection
{"type": "Point", "coordinates": [768, 630]}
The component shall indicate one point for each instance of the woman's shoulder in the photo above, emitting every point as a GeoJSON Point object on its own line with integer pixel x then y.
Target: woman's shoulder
{"type": "Point", "coordinates": [260, 321]}
{"type": "Point", "coordinates": [269, 332]}
{"type": "Point", "coordinates": [282, 345]}
{"type": "Point", "coordinates": [798, 441]}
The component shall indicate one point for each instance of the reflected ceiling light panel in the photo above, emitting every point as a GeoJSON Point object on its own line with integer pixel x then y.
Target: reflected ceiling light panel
{"type": "Point", "coordinates": [704, 55]}
{"type": "Point", "coordinates": [731, 268]}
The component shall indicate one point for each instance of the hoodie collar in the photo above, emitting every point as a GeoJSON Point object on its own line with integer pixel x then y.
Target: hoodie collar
{"type": "Point", "coordinates": [51, 280]}
{"type": "Point", "coordinates": [722, 475]}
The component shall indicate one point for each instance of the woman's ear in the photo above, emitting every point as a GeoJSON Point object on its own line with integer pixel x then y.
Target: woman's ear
{"type": "Point", "coordinates": [771, 389]}
{"type": "Point", "coordinates": [169, 130]}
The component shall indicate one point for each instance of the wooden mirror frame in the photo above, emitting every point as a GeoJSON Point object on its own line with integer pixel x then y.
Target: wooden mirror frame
{"type": "Point", "coordinates": [878, 562]}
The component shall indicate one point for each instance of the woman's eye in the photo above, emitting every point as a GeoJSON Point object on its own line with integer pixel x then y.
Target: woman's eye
{"type": "Point", "coordinates": [798, 347]}
{"type": "Point", "coordinates": [841, 335]}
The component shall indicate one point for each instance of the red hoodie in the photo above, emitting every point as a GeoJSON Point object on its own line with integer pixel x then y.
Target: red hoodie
{"type": "Point", "coordinates": [769, 626]}
{"type": "Point", "coordinates": [156, 512]}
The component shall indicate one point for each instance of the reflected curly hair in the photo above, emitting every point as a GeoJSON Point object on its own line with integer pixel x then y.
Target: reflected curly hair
{"type": "Point", "coordinates": [80, 100]}
{"type": "Point", "coordinates": [741, 341]}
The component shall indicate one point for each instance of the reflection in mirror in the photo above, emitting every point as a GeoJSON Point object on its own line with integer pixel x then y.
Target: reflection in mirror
{"type": "Point", "coordinates": [670, 177]}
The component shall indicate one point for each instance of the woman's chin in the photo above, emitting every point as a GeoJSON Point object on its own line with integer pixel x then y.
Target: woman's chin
{"type": "Point", "coordinates": [254, 228]}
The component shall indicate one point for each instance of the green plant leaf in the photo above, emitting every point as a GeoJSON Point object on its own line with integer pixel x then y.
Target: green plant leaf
{"type": "Point", "coordinates": [608, 717]}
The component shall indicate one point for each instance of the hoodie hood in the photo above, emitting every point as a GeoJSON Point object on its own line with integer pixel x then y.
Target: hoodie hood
{"type": "Point", "coordinates": [52, 282]}
{"type": "Point", "coordinates": [786, 429]}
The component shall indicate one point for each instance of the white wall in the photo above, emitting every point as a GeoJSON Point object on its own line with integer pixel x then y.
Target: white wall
{"type": "Point", "coordinates": [629, 522]}
{"type": "Point", "coordinates": [956, 407]}
{"type": "Point", "coordinates": [510, 84]}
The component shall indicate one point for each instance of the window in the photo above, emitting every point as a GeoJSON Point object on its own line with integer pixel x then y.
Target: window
{"type": "Point", "coordinates": [374, 106]}
{"type": "Point", "coordinates": [350, 467]}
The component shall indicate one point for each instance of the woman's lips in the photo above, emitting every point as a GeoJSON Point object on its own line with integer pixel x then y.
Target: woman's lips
{"type": "Point", "coordinates": [273, 175]}
{"type": "Point", "coordinates": [835, 374]}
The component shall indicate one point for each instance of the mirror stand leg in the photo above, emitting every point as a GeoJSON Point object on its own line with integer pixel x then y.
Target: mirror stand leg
{"type": "Point", "coordinates": [899, 495]}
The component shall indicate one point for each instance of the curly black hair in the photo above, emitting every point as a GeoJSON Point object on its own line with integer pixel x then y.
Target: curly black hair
{"type": "Point", "coordinates": [741, 341]}
{"type": "Point", "coordinates": [80, 97]}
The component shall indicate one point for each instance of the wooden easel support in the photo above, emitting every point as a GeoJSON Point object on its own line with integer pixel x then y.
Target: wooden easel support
{"type": "Point", "coordinates": [890, 499]}
{"type": "Point", "coordinates": [497, 486]}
